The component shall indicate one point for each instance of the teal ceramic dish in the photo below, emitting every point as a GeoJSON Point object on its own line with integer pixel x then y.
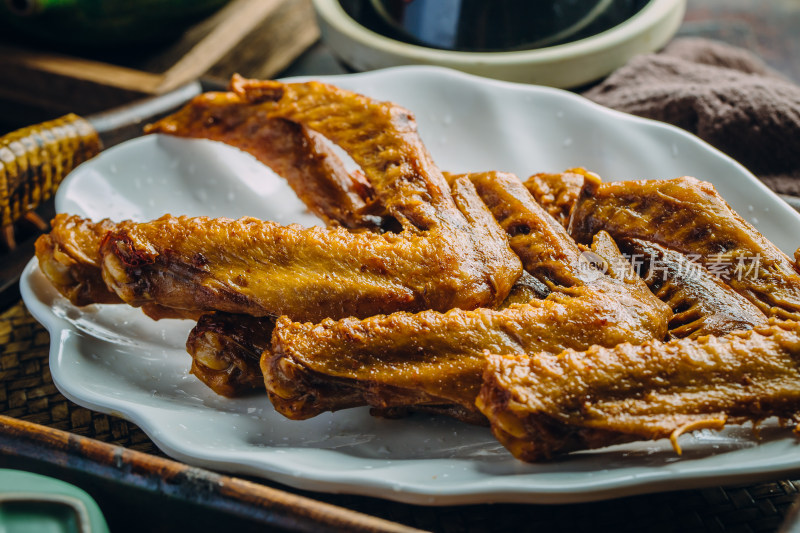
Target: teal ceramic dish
{"type": "Point", "coordinates": [31, 502]}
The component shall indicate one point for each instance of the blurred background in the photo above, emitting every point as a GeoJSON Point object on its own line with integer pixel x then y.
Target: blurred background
{"type": "Point", "coordinates": [85, 56]}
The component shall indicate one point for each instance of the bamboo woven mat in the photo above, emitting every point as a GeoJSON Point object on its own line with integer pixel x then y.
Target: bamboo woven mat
{"type": "Point", "coordinates": [27, 392]}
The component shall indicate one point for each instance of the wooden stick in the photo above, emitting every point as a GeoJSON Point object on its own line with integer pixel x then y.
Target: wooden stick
{"type": "Point", "coordinates": [36, 220]}
{"type": "Point", "coordinates": [7, 237]}
{"type": "Point", "coordinates": [273, 507]}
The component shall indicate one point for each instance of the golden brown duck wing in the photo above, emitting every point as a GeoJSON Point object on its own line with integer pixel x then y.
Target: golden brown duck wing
{"type": "Point", "coordinates": [431, 358]}
{"type": "Point", "coordinates": [70, 258]}
{"type": "Point", "coordinates": [226, 350]}
{"type": "Point", "coordinates": [261, 268]}
{"type": "Point", "coordinates": [315, 173]}
{"type": "Point", "coordinates": [547, 251]}
{"type": "Point", "coordinates": [545, 404]}
{"type": "Point", "coordinates": [437, 358]}
{"type": "Point", "coordinates": [451, 254]}
{"type": "Point", "coordinates": [690, 217]}
{"type": "Point", "coordinates": [702, 304]}
{"type": "Point", "coordinates": [381, 137]}
{"type": "Point", "coordinates": [558, 192]}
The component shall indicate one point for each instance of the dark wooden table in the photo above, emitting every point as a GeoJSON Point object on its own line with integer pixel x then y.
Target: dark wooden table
{"type": "Point", "coordinates": [771, 28]}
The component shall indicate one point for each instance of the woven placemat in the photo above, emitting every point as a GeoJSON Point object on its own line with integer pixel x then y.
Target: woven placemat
{"type": "Point", "coordinates": [27, 392]}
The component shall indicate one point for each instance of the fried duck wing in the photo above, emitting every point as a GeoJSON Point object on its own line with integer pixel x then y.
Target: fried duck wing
{"type": "Point", "coordinates": [380, 136]}
{"type": "Point", "coordinates": [182, 266]}
{"type": "Point", "coordinates": [226, 350]}
{"type": "Point", "coordinates": [427, 358]}
{"type": "Point", "coordinates": [433, 358]}
{"type": "Point", "coordinates": [690, 217]}
{"type": "Point", "coordinates": [315, 173]}
{"type": "Point", "coordinates": [547, 251]}
{"type": "Point", "coordinates": [451, 254]}
{"type": "Point", "coordinates": [260, 268]}
{"type": "Point", "coordinates": [701, 303]}
{"type": "Point", "coordinates": [70, 258]}
{"type": "Point", "coordinates": [558, 192]}
{"type": "Point", "coordinates": [545, 404]}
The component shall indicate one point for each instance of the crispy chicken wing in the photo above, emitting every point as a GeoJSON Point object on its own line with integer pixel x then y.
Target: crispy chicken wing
{"type": "Point", "coordinates": [689, 216]}
{"type": "Point", "coordinates": [702, 304]}
{"type": "Point", "coordinates": [547, 404]}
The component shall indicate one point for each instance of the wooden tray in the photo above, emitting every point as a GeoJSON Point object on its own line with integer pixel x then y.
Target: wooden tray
{"type": "Point", "coordinates": [197, 499]}
{"type": "Point", "coordinates": [256, 38]}
{"type": "Point", "coordinates": [147, 492]}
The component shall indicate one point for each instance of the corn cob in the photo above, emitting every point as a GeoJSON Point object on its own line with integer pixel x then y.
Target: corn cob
{"type": "Point", "coordinates": [34, 160]}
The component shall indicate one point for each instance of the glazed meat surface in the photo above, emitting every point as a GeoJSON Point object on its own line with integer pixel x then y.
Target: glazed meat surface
{"type": "Point", "coordinates": [433, 358]}
{"type": "Point", "coordinates": [260, 268]}
{"type": "Point", "coordinates": [558, 192]}
{"type": "Point", "coordinates": [381, 137]}
{"type": "Point", "coordinates": [701, 303]}
{"type": "Point", "coordinates": [690, 217]}
{"type": "Point", "coordinates": [437, 358]}
{"type": "Point", "coordinates": [226, 350]}
{"type": "Point", "coordinates": [314, 172]}
{"type": "Point", "coordinates": [451, 253]}
{"type": "Point", "coordinates": [70, 258]}
{"type": "Point", "coordinates": [547, 251]}
{"type": "Point", "coordinates": [547, 404]}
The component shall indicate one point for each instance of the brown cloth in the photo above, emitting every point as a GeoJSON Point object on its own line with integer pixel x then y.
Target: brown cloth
{"type": "Point", "coordinates": [724, 95]}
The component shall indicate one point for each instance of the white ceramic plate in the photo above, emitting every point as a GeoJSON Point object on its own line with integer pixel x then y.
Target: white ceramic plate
{"type": "Point", "coordinates": [115, 360]}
